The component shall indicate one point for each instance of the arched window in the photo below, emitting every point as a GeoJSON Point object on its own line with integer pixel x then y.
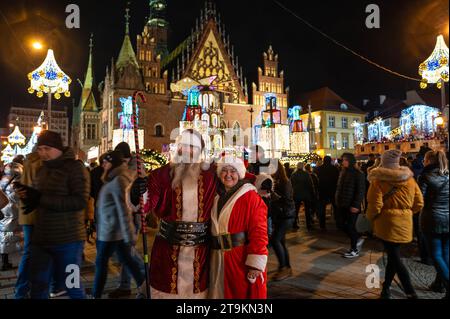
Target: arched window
{"type": "Point", "coordinates": [236, 132]}
{"type": "Point", "coordinates": [205, 117]}
{"type": "Point", "coordinates": [159, 130]}
{"type": "Point", "coordinates": [214, 120]}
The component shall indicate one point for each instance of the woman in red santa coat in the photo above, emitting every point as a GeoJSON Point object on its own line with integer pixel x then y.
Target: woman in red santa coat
{"type": "Point", "coordinates": [239, 230]}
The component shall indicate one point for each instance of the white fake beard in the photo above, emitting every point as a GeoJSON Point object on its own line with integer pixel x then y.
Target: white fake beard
{"type": "Point", "coordinates": [183, 171]}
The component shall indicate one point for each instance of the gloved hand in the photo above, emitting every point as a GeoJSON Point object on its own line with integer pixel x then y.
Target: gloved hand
{"type": "Point", "coordinates": [29, 196]}
{"type": "Point", "coordinates": [141, 183]}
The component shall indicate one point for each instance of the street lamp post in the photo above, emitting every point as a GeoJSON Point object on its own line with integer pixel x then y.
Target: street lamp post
{"type": "Point", "coordinates": [251, 110]}
{"type": "Point", "coordinates": [48, 78]}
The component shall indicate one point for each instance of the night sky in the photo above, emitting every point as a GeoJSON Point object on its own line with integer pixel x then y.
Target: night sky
{"type": "Point", "coordinates": [406, 38]}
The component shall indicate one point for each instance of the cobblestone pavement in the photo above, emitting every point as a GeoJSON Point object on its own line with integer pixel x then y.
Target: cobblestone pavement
{"type": "Point", "coordinates": [319, 270]}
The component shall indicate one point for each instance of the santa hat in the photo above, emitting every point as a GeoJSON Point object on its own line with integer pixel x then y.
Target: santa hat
{"type": "Point", "coordinates": [234, 162]}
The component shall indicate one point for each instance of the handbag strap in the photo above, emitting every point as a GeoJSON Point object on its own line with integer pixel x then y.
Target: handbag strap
{"type": "Point", "coordinates": [392, 191]}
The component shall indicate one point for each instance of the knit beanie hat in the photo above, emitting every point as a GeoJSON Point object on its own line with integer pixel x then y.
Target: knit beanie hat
{"type": "Point", "coordinates": [391, 159]}
{"type": "Point", "coordinates": [114, 157]}
{"type": "Point", "coordinates": [123, 148]}
{"type": "Point", "coordinates": [50, 138]}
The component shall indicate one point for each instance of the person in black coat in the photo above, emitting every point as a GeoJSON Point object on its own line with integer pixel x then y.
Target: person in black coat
{"type": "Point", "coordinates": [328, 177]}
{"type": "Point", "coordinates": [434, 218]}
{"type": "Point", "coordinates": [349, 197]}
{"type": "Point", "coordinates": [283, 213]}
{"type": "Point", "coordinates": [303, 187]}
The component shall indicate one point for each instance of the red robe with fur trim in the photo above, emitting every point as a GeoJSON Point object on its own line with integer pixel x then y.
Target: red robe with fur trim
{"type": "Point", "coordinates": [245, 212]}
{"type": "Point", "coordinates": [180, 272]}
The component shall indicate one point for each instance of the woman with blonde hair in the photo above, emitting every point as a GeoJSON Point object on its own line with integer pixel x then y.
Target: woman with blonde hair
{"type": "Point", "coordinates": [393, 198]}
{"type": "Point", "coordinates": [433, 183]}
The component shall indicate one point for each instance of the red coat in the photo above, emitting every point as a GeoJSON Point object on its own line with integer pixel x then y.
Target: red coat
{"type": "Point", "coordinates": [167, 204]}
{"type": "Point", "coordinates": [244, 212]}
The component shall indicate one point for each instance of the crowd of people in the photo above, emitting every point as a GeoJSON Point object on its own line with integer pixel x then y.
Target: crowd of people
{"type": "Point", "coordinates": [216, 220]}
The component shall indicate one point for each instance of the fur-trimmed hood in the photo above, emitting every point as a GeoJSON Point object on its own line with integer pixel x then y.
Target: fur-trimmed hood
{"type": "Point", "coordinates": [399, 175]}
{"type": "Point", "coordinates": [261, 178]}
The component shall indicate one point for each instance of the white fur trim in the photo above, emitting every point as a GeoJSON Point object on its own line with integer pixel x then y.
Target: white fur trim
{"type": "Point", "coordinates": [401, 174]}
{"type": "Point", "coordinates": [256, 261]}
{"type": "Point", "coordinates": [235, 162]}
{"type": "Point", "coordinates": [188, 138]}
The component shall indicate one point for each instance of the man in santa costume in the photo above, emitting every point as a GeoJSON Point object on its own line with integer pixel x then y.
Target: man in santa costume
{"type": "Point", "coordinates": [239, 236]}
{"type": "Point", "coordinates": [181, 194]}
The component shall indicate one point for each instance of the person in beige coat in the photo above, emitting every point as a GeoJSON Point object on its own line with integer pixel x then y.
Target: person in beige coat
{"type": "Point", "coordinates": [393, 198]}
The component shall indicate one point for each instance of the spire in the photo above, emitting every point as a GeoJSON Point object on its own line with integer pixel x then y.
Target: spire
{"type": "Point", "coordinates": [87, 101]}
{"type": "Point", "coordinates": [127, 21]}
{"type": "Point", "coordinates": [127, 55]}
{"type": "Point", "coordinates": [89, 78]}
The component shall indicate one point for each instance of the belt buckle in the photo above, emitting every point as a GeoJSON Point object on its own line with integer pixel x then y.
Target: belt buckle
{"type": "Point", "coordinates": [227, 241]}
{"type": "Point", "coordinates": [188, 240]}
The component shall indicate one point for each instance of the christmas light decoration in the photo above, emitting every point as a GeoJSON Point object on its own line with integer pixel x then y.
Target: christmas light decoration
{"type": "Point", "coordinates": [299, 142]}
{"type": "Point", "coordinates": [418, 119]}
{"type": "Point", "coordinates": [16, 137]}
{"type": "Point", "coordinates": [7, 154]}
{"type": "Point", "coordinates": [435, 68]}
{"type": "Point", "coordinates": [48, 78]}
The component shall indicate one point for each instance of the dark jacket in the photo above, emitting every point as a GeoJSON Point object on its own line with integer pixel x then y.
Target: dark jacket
{"type": "Point", "coordinates": [282, 203]}
{"type": "Point", "coordinates": [434, 187]}
{"type": "Point", "coordinates": [350, 189]}
{"type": "Point", "coordinates": [417, 166]}
{"type": "Point", "coordinates": [113, 216]}
{"type": "Point", "coordinates": [96, 181]}
{"type": "Point", "coordinates": [302, 185]}
{"type": "Point", "coordinates": [64, 187]}
{"type": "Point", "coordinates": [328, 177]}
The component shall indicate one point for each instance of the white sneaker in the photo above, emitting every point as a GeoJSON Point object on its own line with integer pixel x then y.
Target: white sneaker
{"type": "Point", "coordinates": [351, 254]}
{"type": "Point", "coordinates": [58, 293]}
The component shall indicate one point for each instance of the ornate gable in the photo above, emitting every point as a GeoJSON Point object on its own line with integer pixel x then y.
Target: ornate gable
{"type": "Point", "coordinates": [210, 58]}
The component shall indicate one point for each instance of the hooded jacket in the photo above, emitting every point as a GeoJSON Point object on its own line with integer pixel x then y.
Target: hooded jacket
{"type": "Point", "coordinates": [113, 207]}
{"type": "Point", "coordinates": [64, 187]}
{"type": "Point", "coordinates": [392, 218]}
{"type": "Point", "coordinates": [434, 187]}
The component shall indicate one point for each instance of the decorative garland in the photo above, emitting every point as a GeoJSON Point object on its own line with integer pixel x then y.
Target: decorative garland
{"type": "Point", "coordinates": [153, 159]}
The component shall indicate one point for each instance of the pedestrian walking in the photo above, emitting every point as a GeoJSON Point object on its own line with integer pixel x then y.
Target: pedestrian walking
{"type": "Point", "coordinates": [328, 176]}
{"type": "Point", "coordinates": [349, 197]}
{"type": "Point", "coordinates": [9, 224]}
{"type": "Point", "coordinates": [59, 194]}
{"type": "Point", "coordinates": [303, 193]}
{"type": "Point", "coordinates": [115, 232]}
{"type": "Point", "coordinates": [393, 198]}
{"type": "Point", "coordinates": [283, 213]}
{"type": "Point", "coordinates": [434, 184]}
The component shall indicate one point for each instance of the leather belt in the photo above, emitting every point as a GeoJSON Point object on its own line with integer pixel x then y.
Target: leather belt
{"type": "Point", "coordinates": [228, 241]}
{"type": "Point", "coordinates": [186, 234]}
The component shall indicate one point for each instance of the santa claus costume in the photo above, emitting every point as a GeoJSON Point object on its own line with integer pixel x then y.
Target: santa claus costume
{"type": "Point", "coordinates": [239, 240]}
{"type": "Point", "coordinates": [181, 195]}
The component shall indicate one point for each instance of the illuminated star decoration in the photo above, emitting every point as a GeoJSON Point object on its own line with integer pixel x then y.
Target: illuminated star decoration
{"type": "Point", "coordinates": [435, 68]}
{"type": "Point", "coordinates": [49, 79]}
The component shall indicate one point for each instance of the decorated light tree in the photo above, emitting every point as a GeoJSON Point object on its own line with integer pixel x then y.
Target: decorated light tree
{"type": "Point", "coordinates": [48, 78]}
{"type": "Point", "coordinates": [299, 137]}
{"type": "Point", "coordinates": [271, 134]}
